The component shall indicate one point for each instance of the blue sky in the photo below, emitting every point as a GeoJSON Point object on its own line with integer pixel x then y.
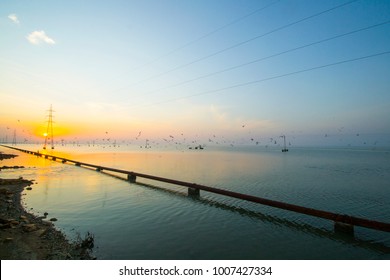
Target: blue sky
{"type": "Point", "coordinates": [231, 68]}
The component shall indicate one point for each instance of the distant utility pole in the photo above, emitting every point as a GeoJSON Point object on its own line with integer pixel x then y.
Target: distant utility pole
{"type": "Point", "coordinates": [14, 139]}
{"type": "Point", "coordinates": [49, 131]}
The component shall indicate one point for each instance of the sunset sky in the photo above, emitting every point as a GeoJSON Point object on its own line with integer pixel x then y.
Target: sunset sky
{"type": "Point", "coordinates": [201, 68]}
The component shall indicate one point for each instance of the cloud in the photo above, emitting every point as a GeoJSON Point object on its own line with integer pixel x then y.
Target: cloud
{"type": "Point", "coordinates": [14, 18]}
{"type": "Point", "coordinates": [38, 37]}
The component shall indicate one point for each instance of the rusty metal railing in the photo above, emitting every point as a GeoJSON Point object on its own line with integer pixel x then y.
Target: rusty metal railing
{"type": "Point", "coordinates": [342, 222]}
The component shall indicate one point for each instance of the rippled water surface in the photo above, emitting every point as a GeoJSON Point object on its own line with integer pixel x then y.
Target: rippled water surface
{"type": "Point", "coordinates": [151, 220]}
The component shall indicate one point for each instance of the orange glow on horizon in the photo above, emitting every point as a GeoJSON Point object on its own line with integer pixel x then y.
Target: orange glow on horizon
{"type": "Point", "coordinates": [81, 130]}
{"type": "Point", "coordinates": [40, 131]}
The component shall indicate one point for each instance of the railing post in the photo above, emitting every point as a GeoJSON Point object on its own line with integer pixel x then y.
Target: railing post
{"type": "Point", "coordinates": [131, 177]}
{"type": "Point", "coordinates": [344, 228]}
{"type": "Point", "coordinates": [193, 192]}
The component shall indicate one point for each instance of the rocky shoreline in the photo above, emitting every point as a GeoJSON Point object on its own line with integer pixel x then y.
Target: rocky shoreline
{"type": "Point", "coordinates": [24, 236]}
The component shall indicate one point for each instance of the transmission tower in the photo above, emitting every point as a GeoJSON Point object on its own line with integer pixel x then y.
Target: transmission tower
{"type": "Point", "coordinates": [14, 139]}
{"type": "Point", "coordinates": [49, 131]}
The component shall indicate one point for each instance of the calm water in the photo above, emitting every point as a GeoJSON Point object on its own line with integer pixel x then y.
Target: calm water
{"type": "Point", "coordinates": [156, 221]}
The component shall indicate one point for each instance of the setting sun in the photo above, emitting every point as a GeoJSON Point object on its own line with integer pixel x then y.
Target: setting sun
{"type": "Point", "coordinates": [40, 131]}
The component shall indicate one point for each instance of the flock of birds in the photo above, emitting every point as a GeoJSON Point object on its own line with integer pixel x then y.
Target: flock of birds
{"type": "Point", "coordinates": [180, 141]}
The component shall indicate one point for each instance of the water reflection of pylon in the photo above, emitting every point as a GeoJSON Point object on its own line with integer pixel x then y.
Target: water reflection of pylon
{"type": "Point", "coordinates": [49, 131]}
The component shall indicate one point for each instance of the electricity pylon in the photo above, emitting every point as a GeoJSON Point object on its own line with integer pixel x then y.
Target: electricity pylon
{"type": "Point", "coordinates": [49, 131]}
{"type": "Point", "coordinates": [14, 139]}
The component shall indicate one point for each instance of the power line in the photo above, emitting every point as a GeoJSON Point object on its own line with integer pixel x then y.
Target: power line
{"type": "Point", "coordinates": [272, 78]}
{"type": "Point", "coordinates": [270, 56]}
{"type": "Point", "coordinates": [235, 21]}
{"type": "Point", "coordinates": [247, 41]}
